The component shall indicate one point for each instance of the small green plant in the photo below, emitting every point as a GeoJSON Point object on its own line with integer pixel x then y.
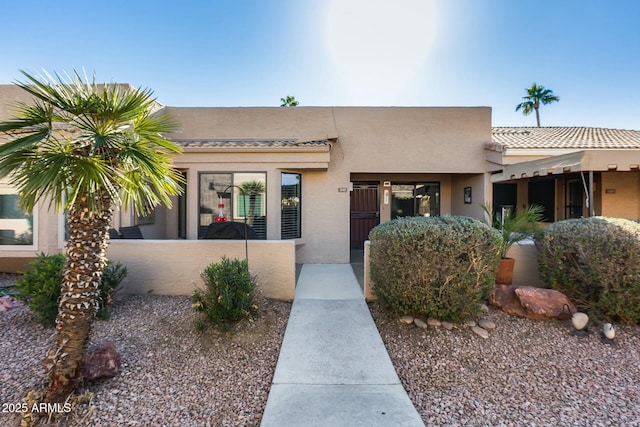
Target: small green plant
{"type": "Point", "coordinates": [596, 262]}
{"type": "Point", "coordinates": [40, 284]}
{"type": "Point", "coordinates": [440, 267]}
{"type": "Point", "coordinates": [229, 294]}
{"type": "Point", "coordinates": [515, 226]}
{"type": "Point", "coordinates": [112, 276]}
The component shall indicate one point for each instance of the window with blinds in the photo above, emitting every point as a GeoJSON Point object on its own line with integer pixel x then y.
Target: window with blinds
{"type": "Point", "coordinates": [291, 209]}
{"type": "Point", "coordinates": [233, 197]}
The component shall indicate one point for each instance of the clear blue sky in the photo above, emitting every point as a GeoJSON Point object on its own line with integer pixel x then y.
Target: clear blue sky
{"type": "Point", "coordinates": [346, 52]}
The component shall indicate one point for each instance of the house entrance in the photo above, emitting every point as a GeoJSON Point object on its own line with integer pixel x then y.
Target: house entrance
{"type": "Point", "coordinates": [365, 212]}
{"type": "Point", "coordinates": [574, 198]}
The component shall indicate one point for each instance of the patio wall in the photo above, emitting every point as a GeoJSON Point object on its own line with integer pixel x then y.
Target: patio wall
{"type": "Point", "coordinates": [173, 267]}
{"type": "Point", "coordinates": [525, 271]}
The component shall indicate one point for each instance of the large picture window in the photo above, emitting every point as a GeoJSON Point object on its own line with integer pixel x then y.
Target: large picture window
{"type": "Point", "coordinates": [16, 227]}
{"type": "Point", "coordinates": [233, 197]}
{"type": "Point", "coordinates": [415, 199]}
{"type": "Point", "coordinates": [291, 207]}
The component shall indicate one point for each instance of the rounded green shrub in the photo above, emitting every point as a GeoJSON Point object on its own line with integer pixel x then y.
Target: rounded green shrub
{"type": "Point", "coordinates": [229, 294]}
{"type": "Point", "coordinates": [441, 267]}
{"type": "Point", "coordinates": [596, 263]}
{"type": "Point", "coordinates": [40, 284]}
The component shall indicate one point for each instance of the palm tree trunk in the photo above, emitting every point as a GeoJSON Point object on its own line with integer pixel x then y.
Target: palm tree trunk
{"type": "Point", "coordinates": [538, 116]}
{"type": "Point", "coordinates": [79, 296]}
{"type": "Point", "coordinates": [252, 208]}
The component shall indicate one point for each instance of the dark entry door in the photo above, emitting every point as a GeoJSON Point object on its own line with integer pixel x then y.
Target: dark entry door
{"type": "Point", "coordinates": [574, 198]}
{"type": "Point", "coordinates": [365, 212]}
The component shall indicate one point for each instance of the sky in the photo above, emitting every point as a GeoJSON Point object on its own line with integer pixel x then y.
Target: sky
{"type": "Point", "coordinates": [346, 52]}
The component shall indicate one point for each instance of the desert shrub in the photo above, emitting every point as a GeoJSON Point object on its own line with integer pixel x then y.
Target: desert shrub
{"type": "Point", "coordinates": [440, 267]}
{"type": "Point", "coordinates": [112, 275]}
{"type": "Point", "coordinates": [39, 286]}
{"type": "Point", "coordinates": [229, 294]}
{"type": "Point", "coordinates": [595, 262]}
{"type": "Point", "coordinates": [41, 282]}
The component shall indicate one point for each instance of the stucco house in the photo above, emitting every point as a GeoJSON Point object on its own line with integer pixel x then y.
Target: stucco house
{"type": "Point", "coordinates": [571, 171]}
{"type": "Point", "coordinates": [326, 176]}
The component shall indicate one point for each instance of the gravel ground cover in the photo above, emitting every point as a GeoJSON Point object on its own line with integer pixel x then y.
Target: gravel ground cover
{"type": "Point", "coordinates": [171, 375]}
{"type": "Point", "coordinates": [527, 373]}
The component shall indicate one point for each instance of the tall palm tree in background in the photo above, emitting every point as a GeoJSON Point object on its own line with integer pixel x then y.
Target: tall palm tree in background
{"type": "Point", "coordinates": [535, 96]}
{"type": "Point", "coordinates": [85, 148]}
{"type": "Point", "coordinates": [289, 101]}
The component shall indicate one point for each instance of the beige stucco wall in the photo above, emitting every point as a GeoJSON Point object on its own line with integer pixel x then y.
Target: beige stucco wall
{"type": "Point", "coordinates": [253, 122]}
{"type": "Point", "coordinates": [619, 192]}
{"type": "Point", "coordinates": [173, 267]}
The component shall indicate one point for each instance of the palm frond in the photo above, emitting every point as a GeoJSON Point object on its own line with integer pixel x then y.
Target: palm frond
{"type": "Point", "coordinates": [81, 139]}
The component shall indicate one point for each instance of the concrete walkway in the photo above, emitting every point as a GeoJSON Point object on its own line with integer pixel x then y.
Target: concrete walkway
{"type": "Point", "coordinates": [333, 369]}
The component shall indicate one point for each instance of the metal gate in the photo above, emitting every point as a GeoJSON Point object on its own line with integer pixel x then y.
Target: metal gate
{"type": "Point", "coordinates": [365, 211]}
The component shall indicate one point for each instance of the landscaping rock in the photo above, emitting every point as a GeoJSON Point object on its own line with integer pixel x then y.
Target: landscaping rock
{"type": "Point", "coordinates": [407, 320]}
{"type": "Point", "coordinates": [531, 302]}
{"type": "Point", "coordinates": [483, 333]}
{"type": "Point", "coordinates": [433, 322]}
{"type": "Point", "coordinates": [609, 331]}
{"type": "Point", "coordinates": [579, 320]}
{"type": "Point", "coordinates": [486, 324]}
{"type": "Point", "coordinates": [484, 308]}
{"type": "Point", "coordinates": [101, 361]}
{"type": "Point", "coordinates": [420, 323]}
{"type": "Point", "coordinates": [447, 325]}
{"type": "Point", "coordinates": [470, 323]}
{"type": "Point", "coordinates": [7, 303]}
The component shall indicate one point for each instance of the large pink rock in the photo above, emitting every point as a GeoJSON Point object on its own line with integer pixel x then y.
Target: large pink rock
{"type": "Point", "coordinates": [532, 302]}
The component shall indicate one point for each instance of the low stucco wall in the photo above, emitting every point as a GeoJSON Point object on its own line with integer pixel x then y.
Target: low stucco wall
{"type": "Point", "coordinates": [525, 271]}
{"type": "Point", "coordinates": [173, 267]}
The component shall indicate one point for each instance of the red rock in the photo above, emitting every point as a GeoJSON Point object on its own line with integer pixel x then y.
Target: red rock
{"type": "Point", "coordinates": [7, 303]}
{"type": "Point", "coordinates": [532, 302]}
{"type": "Point", "coordinates": [101, 361]}
{"type": "Point", "coordinates": [504, 297]}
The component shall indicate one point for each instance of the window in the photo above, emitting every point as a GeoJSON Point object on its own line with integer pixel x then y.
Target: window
{"type": "Point", "coordinates": [290, 203]}
{"type": "Point", "coordinates": [235, 197]}
{"type": "Point", "coordinates": [16, 227]}
{"type": "Point", "coordinates": [543, 193]}
{"type": "Point", "coordinates": [420, 199]}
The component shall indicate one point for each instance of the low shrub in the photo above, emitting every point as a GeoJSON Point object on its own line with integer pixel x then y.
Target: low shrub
{"type": "Point", "coordinates": [229, 294]}
{"type": "Point", "coordinates": [440, 267]}
{"type": "Point", "coordinates": [596, 263]}
{"type": "Point", "coordinates": [112, 275]}
{"type": "Point", "coordinates": [40, 284]}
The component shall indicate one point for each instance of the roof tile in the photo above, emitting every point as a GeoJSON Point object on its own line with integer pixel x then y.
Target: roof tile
{"type": "Point", "coordinates": [565, 137]}
{"type": "Point", "coordinates": [251, 143]}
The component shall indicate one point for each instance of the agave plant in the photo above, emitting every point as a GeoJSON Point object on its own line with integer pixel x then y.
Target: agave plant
{"type": "Point", "coordinates": [514, 226]}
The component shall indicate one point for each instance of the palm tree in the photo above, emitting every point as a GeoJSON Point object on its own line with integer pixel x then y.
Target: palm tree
{"type": "Point", "coordinates": [85, 148]}
{"type": "Point", "coordinates": [536, 95]}
{"type": "Point", "coordinates": [289, 101]}
{"type": "Point", "coordinates": [252, 189]}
